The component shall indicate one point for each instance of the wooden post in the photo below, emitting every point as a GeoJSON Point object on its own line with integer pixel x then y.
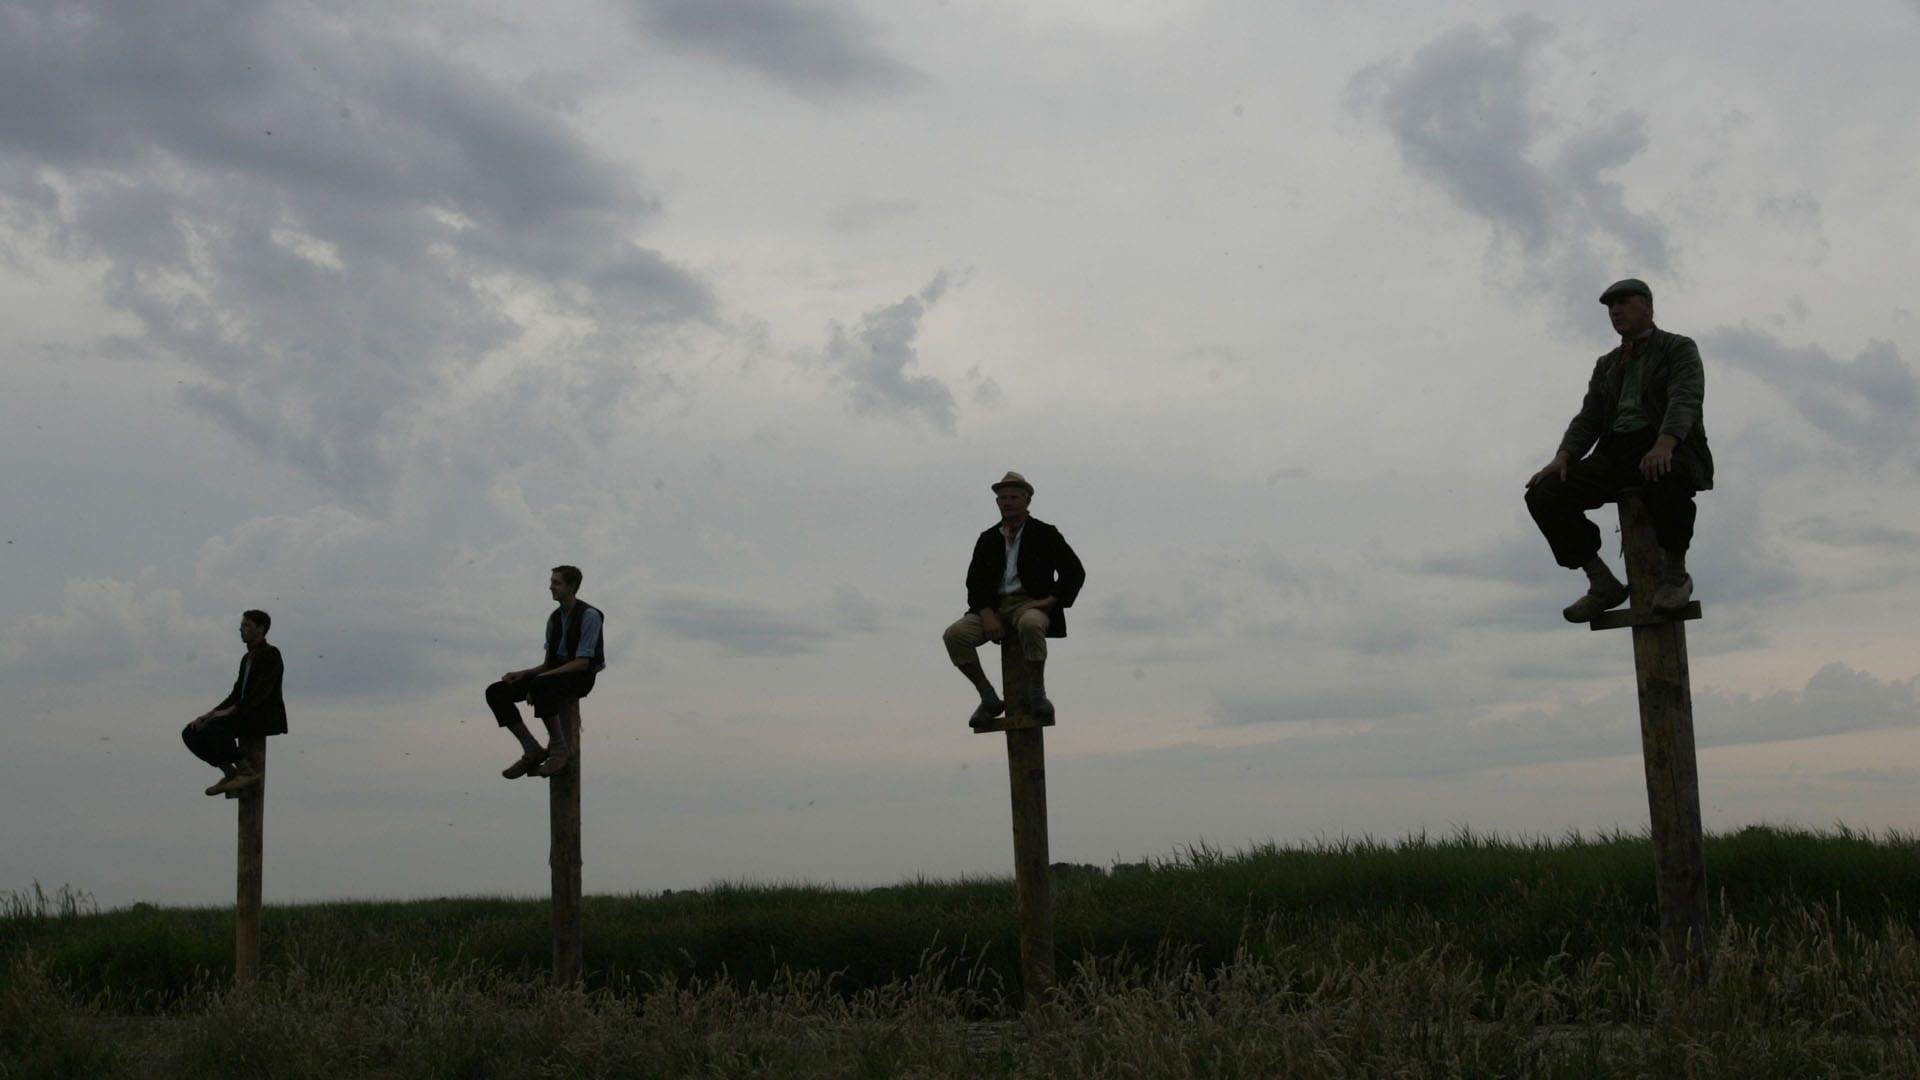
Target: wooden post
{"type": "Point", "coordinates": [246, 906]}
{"type": "Point", "coordinates": [1027, 784]}
{"type": "Point", "coordinates": [563, 801]}
{"type": "Point", "coordinates": [1666, 740]}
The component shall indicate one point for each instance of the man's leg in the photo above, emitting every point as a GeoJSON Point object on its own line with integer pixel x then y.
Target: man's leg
{"type": "Point", "coordinates": [548, 696]}
{"type": "Point", "coordinates": [1031, 624]}
{"type": "Point", "coordinates": [963, 640]}
{"type": "Point", "coordinates": [1559, 507]}
{"type": "Point", "coordinates": [217, 743]}
{"type": "Point", "coordinates": [1670, 504]}
{"type": "Point", "coordinates": [501, 697]}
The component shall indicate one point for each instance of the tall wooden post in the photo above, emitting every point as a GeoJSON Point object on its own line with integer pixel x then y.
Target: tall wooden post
{"type": "Point", "coordinates": [1027, 784]}
{"type": "Point", "coordinates": [563, 802]}
{"type": "Point", "coordinates": [1666, 740]}
{"type": "Point", "coordinates": [246, 906]}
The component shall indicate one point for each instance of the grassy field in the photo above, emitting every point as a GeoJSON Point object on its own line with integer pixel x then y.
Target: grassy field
{"type": "Point", "coordinates": [1463, 956]}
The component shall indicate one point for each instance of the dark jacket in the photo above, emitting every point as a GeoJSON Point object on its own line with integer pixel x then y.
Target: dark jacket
{"type": "Point", "coordinates": [1672, 386]}
{"type": "Point", "coordinates": [259, 711]}
{"type": "Point", "coordinates": [563, 636]}
{"type": "Point", "coordinates": [1048, 567]}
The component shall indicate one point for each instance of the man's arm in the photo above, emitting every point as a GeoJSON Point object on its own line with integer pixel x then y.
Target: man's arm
{"type": "Point", "coordinates": [1686, 388]}
{"type": "Point", "coordinates": [1584, 429]}
{"type": "Point", "coordinates": [1072, 574]}
{"type": "Point", "coordinates": [263, 681]}
{"type": "Point", "coordinates": [582, 659]}
{"type": "Point", "coordinates": [983, 589]}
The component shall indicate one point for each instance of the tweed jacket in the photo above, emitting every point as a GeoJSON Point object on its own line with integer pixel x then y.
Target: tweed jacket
{"type": "Point", "coordinates": [1048, 567]}
{"type": "Point", "coordinates": [1672, 387]}
{"type": "Point", "coordinates": [258, 710]}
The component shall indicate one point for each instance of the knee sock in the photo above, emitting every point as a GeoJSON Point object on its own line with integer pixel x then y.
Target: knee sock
{"type": "Point", "coordinates": [978, 677]}
{"type": "Point", "coordinates": [527, 741]}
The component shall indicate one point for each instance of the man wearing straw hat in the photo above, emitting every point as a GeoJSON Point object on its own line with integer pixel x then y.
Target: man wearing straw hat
{"type": "Point", "coordinates": [1022, 579]}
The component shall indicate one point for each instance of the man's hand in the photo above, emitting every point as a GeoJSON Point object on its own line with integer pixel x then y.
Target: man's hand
{"type": "Point", "coordinates": [1659, 460]}
{"type": "Point", "coordinates": [990, 622]}
{"type": "Point", "coordinates": [1557, 465]}
{"type": "Point", "coordinates": [512, 677]}
{"type": "Point", "coordinates": [200, 722]}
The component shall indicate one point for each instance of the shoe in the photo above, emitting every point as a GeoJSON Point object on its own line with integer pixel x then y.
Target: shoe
{"type": "Point", "coordinates": [1589, 607]}
{"type": "Point", "coordinates": [527, 763]}
{"type": "Point", "coordinates": [238, 782]}
{"type": "Point", "coordinates": [1672, 596]}
{"type": "Point", "coordinates": [219, 787]}
{"type": "Point", "coordinates": [556, 763]}
{"type": "Point", "coordinates": [1041, 708]}
{"type": "Point", "coordinates": [984, 716]}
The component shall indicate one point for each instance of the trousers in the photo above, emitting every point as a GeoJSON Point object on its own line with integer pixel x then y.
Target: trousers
{"type": "Point", "coordinates": [217, 742]}
{"type": "Point", "coordinates": [1559, 506]}
{"type": "Point", "coordinates": [544, 693]}
{"type": "Point", "coordinates": [967, 634]}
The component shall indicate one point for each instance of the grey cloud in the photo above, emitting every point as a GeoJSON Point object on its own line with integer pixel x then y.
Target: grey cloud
{"type": "Point", "coordinates": [813, 50]}
{"type": "Point", "coordinates": [1835, 700]}
{"type": "Point", "coordinates": [1856, 533]}
{"type": "Point", "coordinates": [1461, 111]}
{"type": "Point", "coordinates": [1799, 209]}
{"type": "Point", "coordinates": [738, 628]}
{"type": "Point", "coordinates": [316, 221]}
{"type": "Point", "coordinates": [1866, 405]}
{"type": "Point", "coordinates": [875, 357]}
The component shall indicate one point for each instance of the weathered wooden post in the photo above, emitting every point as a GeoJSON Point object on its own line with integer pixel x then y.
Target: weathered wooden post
{"type": "Point", "coordinates": [1027, 783]}
{"type": "Point", "coordinates": [246, 906]}
{"type": "Point", "coordinates": [1666, 739]}
{"type": "Point", "coordinates": [563, 802]}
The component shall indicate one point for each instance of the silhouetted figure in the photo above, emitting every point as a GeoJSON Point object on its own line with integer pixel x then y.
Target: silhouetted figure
{"type": "Point", "coordinates": [576, 652]}
{"type": "Point", "coordinates": [1023, 577]}
{"type": "Point", "coordinates": [1641, 419]}
{"type": "Point", "coordinates": [254, 709]}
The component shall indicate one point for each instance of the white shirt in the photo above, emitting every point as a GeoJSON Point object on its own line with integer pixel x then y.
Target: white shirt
{"type": "Point", "coordinates": [1010, 579]}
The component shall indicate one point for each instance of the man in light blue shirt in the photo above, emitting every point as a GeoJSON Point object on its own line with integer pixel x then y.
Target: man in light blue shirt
{"type": "Point", "coordinates": [576, 652]}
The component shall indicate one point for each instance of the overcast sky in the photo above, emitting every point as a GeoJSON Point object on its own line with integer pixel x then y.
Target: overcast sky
{"type": "Point", "coordinates": [368, 316]}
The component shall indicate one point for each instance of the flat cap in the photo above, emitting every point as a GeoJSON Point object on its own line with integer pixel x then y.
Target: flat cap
{"type": "Point", "coordinates": [1626, 287]}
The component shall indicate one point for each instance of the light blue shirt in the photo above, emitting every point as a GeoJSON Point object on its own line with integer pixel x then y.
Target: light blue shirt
{"type": "Point", "coordinates": [589, 638]}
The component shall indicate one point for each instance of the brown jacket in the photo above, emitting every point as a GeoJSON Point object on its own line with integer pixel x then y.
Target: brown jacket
{"type": "Point", "coordinates": [1671, 389]}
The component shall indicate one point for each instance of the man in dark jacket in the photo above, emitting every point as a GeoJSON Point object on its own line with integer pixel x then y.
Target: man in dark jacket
{"type": "Point", "coordinates": [254, 709]}
{"type": "Point", "coordinates": [1023, 578]}
{"type": "Point", "coordinates": [576, 653]}
{"type": "Point", "coordinates": [1641, 418]}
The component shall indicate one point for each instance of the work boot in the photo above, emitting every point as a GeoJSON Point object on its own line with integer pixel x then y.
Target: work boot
{"type": "Point", "coordinates": [1597, 599]}
{"type": "Point", "coordinates": [1037, 688]}
{"type": "Point", "coordinates": [218, 787]}
{"type": "Point", "coordinates": [1672, 595]}
{"type": "Point", "coordinates": [988, 711]}
{"type": "Point", "coordinates": [244, 776]}
{"type": "Point", "coordinates": [528, 762]}
{"type": "Point", "coordinates": [558, 757]}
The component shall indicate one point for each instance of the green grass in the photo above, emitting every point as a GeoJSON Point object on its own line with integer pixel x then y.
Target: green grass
{"type": "Point", "coordinates": [1473, 955]}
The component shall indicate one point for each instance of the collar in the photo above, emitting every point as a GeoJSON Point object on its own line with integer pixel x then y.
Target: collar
{"type": "Point", "coordinates": [1021, 531]}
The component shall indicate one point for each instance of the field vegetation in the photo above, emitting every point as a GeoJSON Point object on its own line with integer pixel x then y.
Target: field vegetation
{"type": "Point", "coordinates": [1456, 956]}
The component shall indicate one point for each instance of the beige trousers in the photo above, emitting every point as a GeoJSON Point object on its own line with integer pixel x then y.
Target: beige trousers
{"type": "Point", "coordinates": [966, 635]}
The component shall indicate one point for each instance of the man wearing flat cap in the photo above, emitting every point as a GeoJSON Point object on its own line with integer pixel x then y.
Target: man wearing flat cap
{"type": "Point", "coordinates": [1022, 579]}
{"type": "Point", "coordinates": [1641, 420]}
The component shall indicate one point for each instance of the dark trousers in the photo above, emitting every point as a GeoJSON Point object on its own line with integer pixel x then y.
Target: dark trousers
{"type": "Point", "coordinates": [544, 693]}
{"type": "Point", "coordinates": [1559, 506]}
{"type": "Point", "coordinates": [216, 743]}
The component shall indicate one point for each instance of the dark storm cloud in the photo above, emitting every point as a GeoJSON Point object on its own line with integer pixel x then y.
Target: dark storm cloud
{"type": "Point", "coordinates": [815, 50]}
{"type": "Point", "coordinates": [315, 218]}
{"type": "Point", "coordinates": [1865, 405]}
{"type": "Point", "coordinates": [874, 361]}
{"type": "Point", "coordinates": [1461, 111]}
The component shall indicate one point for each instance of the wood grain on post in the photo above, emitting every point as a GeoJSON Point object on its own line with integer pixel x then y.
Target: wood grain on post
{"type": "Point", "coordinates": [1667, 743]}
{"type": "Point", "coordinates": [246, 907]}
{"type": "Point", "coordinates": [563, 799]}
{"type": "Point", "coordinates": [1027, 782]}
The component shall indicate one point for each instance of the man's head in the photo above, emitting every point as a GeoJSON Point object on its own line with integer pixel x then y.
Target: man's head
{"type": "Point", "coordinates": [564, 583]}
{"type": "Point", "coordinates": [253, 627]}
{"type": "Point", "coordinates": [1013, 493]}
{"type": "Point", "coordinates": [1630, 306]}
